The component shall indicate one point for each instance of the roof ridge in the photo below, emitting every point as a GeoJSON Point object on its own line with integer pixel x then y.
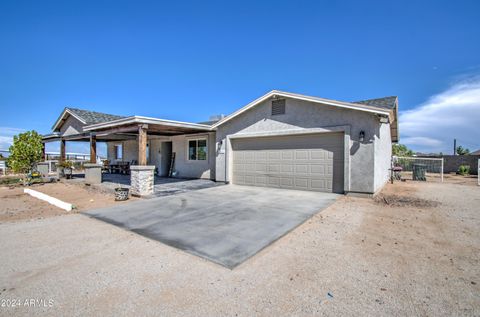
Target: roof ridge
{"type": "Point", "coordinates": [376, 98]}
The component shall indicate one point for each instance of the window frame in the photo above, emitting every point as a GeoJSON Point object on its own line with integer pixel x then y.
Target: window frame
{"type": "Point", "coordinates": [196, 154]}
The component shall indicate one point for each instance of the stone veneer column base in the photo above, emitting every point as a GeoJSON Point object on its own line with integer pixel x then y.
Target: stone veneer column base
{"type": "Point", "coordinates": [93, 173]}
{"type": "Point", "coordinates": [142, 179]}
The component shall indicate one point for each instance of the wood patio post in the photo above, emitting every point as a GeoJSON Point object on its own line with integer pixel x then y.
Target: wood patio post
{"type": "Point", "coordinates": [43, 152]}
{"type": "Point", "coordinates": [93, 148]}
{"type": "Point", "coordinates": [62, 150]}
{"type": "Point", "coordinates": [142, 144]}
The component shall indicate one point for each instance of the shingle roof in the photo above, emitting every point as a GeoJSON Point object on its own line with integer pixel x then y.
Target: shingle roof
{"type": "Point", "coordinates": [477, 152]}
{"type": "Point", "coordinates": [385, 102]}
{"type": "Point", "coordinates": [92, 117]}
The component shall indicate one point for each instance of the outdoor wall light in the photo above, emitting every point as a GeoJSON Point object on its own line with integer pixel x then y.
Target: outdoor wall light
{"type": "Point", "coordinates": [361, 136]}
{"type": "Point", "coordinates": [219, 147]}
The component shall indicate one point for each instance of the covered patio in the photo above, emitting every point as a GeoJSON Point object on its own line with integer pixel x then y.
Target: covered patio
{"type": "Point", "coordinates": [139, 170]}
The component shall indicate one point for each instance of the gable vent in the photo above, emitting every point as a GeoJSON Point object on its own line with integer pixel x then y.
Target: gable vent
{"type": "Point", "coordinates": [278, 107]}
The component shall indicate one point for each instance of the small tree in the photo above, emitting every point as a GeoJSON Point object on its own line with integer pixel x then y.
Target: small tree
{"type": "Point", "coordinates": [462, 151]}
{"type": "Point", "coordinates": [401, 150]}
{"type": "Point", "coordinates": [25, 152]}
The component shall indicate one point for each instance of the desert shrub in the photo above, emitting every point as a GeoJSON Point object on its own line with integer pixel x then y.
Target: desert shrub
{"type": "Point", "coordinates": [7, 181]}
{"type": "Point", "coordinates": [464, 170]}
{"type": "Point", "coordinates": [66, 164]}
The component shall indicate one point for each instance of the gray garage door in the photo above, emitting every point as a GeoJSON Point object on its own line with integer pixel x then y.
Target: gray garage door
{"type": "Point", "coordinates": [305, 162]}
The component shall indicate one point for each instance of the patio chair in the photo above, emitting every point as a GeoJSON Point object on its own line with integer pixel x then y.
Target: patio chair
{"type": "Point", "coordinates": [106, 167]}
{"type": "Point", "coordinates": [125, 168]}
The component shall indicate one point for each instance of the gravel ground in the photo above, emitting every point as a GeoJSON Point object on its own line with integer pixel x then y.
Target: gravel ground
{"type": "Point", "coordinates": [17, 206]}
{"type": "Point", "coordinates": [358, 257]}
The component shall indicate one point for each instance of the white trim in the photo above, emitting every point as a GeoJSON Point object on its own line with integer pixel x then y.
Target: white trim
{"type": "Point", "coordinates": [65, 111]}
{"type": "Point", "coordinates": [330, 102]}
{"type": "Point", "coordinates": [188, 139]}
{"type": "Point", "coordinates": [146, 120]}
{"type": "Point", "coordinates": [49, 199]}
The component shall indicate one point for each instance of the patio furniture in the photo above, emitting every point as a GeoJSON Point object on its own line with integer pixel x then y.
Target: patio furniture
{"type": "Point", "coordinates": [120, 167]}
{"type": "Point", "coordinates": [105, 167]}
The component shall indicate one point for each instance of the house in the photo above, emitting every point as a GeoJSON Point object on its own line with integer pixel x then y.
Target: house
{"type": "Point", "coordinates": [281, 139]}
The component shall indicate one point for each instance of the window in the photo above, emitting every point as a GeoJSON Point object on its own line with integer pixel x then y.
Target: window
{"type": "Point", "coordinates": [197, 150]}
{"type": "Point", "coordinates": [118, 151]}
{"type": "Point", "coordinates": [278, 107]}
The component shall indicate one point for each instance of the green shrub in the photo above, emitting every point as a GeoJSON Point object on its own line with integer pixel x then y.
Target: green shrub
{"type": "Point", "coordinates": [10, 181]}
{"type": "Point", "coordinates": [25, 152]}
{"type": "Point", "coordinates": [66, 164]}
{"type": "Point", "coordinates": [464, 170]}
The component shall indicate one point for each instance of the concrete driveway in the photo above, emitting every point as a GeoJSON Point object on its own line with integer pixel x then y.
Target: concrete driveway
{"type": "Point", "coordinates": [225, 224]}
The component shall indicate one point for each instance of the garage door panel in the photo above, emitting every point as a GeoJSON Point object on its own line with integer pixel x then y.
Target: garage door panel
{"type": "Point", "coordinates": [249, 180]}
{"type": "Point", "coordinates": [301, 155]}
{"type": "Point", "coordinates": [301, 169]}
{"type": "Point", "coordinates": [288, 154]}
{"type": "Point", "coordinates": [318, 184]}
{"type": "Point", "coordinates": [238, 167]}
{"type": "Point", "coordinates": [286, 182]}
{"type": "Point", "coordinates": [261, 180]}
{"type": "Point", "coordinates": [287, 168]}
{"type": "Point", "coordinates": [301, 183]}
{"type": "Point", "coordinates": [308, 162]}
{"type": "Point", "coordinates": [274, 168]}
{"type": "Point", "coordinates": [317, 169]}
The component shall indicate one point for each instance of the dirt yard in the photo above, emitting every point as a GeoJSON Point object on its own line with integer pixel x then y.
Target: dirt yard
{"type": "Point", "coordinates": [16, 206]}
{"type": "Point", "coordinates": [412, 251]}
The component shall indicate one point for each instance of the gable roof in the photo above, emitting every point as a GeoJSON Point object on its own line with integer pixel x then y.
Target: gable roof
{"type": "Point", "coordinates": [349, 105]}
{"type": "Point", "coordinates": [86, 117]}
{"type": "Point", "coordinates": [385, 102]}
{"type": "Point", "coordinates": [477, 152]}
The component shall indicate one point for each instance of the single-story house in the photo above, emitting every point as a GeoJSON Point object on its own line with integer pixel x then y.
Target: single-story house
{"type": "Point", "coordinates": [281, 139]}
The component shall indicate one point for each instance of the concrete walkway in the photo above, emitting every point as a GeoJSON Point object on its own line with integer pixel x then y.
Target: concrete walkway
{"type": "Point", "coordinates": [225, 224]}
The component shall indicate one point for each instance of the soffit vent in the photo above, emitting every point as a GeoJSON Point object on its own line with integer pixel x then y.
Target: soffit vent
{"type": "Point", "coordinates": [278, 107]}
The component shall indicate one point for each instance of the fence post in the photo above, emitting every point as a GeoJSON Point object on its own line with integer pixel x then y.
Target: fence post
{"type": "Point", "coordinates": [442, 169]}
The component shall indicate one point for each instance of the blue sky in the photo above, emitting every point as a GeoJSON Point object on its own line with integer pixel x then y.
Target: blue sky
{"type": "Point", "coordinates": [188, 60]}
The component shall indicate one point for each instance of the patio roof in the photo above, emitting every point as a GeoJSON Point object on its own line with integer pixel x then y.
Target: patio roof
{"type": "Point", "coordinates": [155, 126]}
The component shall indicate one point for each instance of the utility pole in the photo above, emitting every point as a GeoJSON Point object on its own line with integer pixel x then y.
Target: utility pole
{"type": "Point", "coordinates": [454, 146]}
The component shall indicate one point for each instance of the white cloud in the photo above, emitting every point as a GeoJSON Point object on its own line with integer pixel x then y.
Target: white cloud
{"type": "Point", "coordinates": [6, 136]}
{"type": "Point", "coordinates": [453, 113]}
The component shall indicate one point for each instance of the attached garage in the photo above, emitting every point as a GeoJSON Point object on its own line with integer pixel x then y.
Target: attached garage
{"type": "Point", "coordinates": [312, 162]}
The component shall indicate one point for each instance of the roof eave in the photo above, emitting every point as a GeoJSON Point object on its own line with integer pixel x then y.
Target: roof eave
{"type": "Point", "coordinates": [146, 120]}
{"type": "Point", "coordinates": [64, 112]}
{"type": "Point", "coordinates": [330, 102]}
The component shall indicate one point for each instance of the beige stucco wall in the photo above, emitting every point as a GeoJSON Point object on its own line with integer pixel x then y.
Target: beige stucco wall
{"type": "Point", "coordinates": [194, 169]}
{"type": "Point", "coordinates": [383, 155]}
{"type": "Point", "coordinates": [186, 169]}
{"type": "Point", "coordinates": [71, 126]}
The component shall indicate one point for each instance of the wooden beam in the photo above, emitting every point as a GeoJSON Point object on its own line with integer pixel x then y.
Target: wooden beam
{"type": "Point", "coordinates": [142, 145]}
{"type": "Point", "coordinates": [93, 148]}
{"type": "Point", "coordinates": [62, 150]}
{"type": "Point", "coordinates": [117, 130]}
{"type": "Point", "coordinates": [43, 151]}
